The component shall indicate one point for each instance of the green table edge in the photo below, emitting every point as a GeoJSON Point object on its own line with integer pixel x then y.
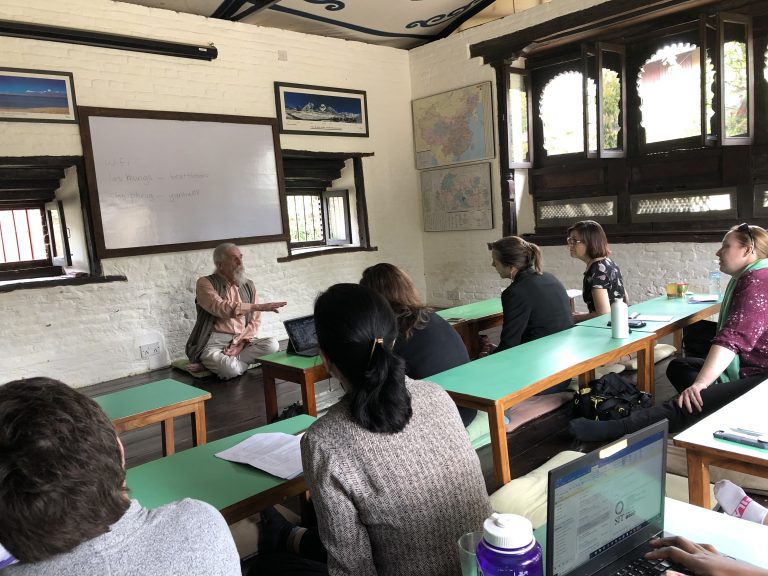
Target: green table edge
{"type": "Point", "coordinates": [147, 397]}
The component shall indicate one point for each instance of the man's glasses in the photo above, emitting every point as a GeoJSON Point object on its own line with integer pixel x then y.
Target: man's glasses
{"type": "Point", "coordinates": [572, 241]}
{"type": "Point", "coordinates": [744, 228]}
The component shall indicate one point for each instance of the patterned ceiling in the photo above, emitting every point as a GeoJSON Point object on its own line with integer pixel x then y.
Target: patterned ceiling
{"type": "Point", "coordinates": [396, 23]}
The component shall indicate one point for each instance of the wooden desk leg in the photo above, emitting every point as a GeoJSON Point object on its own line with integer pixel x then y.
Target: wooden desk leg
{"type": "Point", "coordinates": [270, 393]}
{"type": "Point", "coordinates": [677, 340]}
{"type": "Point", "coordinates": [308, 396]}
{"type": "Point", "coordinates": [198, 425]}
{"type": "Point", "coordinates": [645, 369]}
{"type": "Point", "coordinates": [586, 378]}
{"type": "Point", "coordinates": [698, 480]}
{"type": "Point", "coordinates": [168, 444]}
{"type": "Point", "coordinates": [499, 445]}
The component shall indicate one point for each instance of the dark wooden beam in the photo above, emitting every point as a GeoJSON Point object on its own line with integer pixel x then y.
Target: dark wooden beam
{"type": "Point", "coordinates": [578, 26]}
{"type": "Point", "coordinates": [16, 196]}
{"type": "Point", "coordinates": [256, 7]}
{"type": "Point", "coordinates": [28, 173]}
{"type": "Point", "coordinates": [29, 185]}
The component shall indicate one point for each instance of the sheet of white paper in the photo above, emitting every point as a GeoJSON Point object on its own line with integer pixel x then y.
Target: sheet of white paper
{"type": "Point", "coordinates": [273, 452]}
{"type": "Point", "coordinates": [573, 293]}
{"type": "Point", "coordinates": [653, 318]}
{"type": "Point", "coordinates": [702, 298]}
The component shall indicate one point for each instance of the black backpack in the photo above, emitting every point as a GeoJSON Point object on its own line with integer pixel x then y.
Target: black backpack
{"type": "Point", "coordinates": [609, 398]}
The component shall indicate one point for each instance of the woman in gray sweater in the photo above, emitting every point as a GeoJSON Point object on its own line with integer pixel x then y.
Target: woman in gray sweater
{"type": "Point", "coordinates": [392, 474]}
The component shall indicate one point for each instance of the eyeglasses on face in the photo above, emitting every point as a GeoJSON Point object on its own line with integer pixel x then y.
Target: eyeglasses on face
{"type": "Point", "coordinates": [573, 241]}
{"type": "Point", "coordinates": [744, 228]}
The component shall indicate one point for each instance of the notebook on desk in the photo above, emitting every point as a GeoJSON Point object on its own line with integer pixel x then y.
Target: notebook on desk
{"type": "Point", "coordinates": [603, 508]}
{"type": "Point", "coordinates": [302, 339]}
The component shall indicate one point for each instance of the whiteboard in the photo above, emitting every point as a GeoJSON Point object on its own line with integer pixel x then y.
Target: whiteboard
{"type": "Point", "coordinates": [162, 184]}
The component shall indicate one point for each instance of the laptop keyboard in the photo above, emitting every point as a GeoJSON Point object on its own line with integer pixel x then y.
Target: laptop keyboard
{"type": "Point", "coordinates": [643, 567]}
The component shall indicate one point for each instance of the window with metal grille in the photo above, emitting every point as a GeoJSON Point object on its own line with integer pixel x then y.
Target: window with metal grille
{"type": "Point", "coordinates": [319, 219]}
{"type": "Point", "coordinates": [23, 237]}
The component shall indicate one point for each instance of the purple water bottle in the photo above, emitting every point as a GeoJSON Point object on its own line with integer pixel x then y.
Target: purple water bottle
{"type": "Point", "coordinates": [508, 547]}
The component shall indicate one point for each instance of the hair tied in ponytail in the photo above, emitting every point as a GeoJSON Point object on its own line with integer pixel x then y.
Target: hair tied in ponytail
{"type": "Point", "coordinates": [373, 347]}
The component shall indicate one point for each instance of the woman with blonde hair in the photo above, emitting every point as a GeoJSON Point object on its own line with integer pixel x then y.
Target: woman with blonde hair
{"type": "Point", "coordinates": [535, 303]}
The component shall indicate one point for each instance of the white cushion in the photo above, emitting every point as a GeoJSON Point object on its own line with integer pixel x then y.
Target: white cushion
{"type": "Point", "coordinates": [660, 352]}
{"type": "Point", "coordinates": [527, 495]}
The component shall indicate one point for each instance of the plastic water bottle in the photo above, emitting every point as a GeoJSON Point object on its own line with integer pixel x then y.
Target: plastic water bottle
{"type": "Point", "coordinates": [714, 282]}
{"type": "Point", "coordinates": [619, 319]}
{"type": "Point", "coordinates": [508, 547]}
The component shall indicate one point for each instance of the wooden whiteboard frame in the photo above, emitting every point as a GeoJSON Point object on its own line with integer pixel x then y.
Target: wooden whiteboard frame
{"type": "Point", "coordinates": [84, 115]}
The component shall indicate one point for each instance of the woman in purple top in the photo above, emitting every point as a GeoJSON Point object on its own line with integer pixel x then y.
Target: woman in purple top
{"type": "Point", "coordinates": [738, 358]}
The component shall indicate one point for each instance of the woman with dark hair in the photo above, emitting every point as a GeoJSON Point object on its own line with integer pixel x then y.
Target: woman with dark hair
{"type": "Point", "coordinates": [535, 303]}
{"type": "Point", "coordinates": [738, 358]}
{"type": "Point", "coordinates": [603, 283]}
{"type": "Point", "coordinates": [392, 474]}
{"type": "Point", "coordinates": [427, 343]}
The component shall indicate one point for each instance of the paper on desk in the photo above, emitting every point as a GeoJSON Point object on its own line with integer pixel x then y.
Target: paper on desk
{"type": "Point", "coordinates": [573, 292]}
{"type": "Point", "coordinates": [274, 452]}
{"type": "Point", "coordinates": [653, 318]}
{"type": "Point", "coordinates": [694, 298]}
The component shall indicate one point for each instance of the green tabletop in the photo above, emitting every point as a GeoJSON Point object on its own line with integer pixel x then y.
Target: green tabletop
{"type": "Point", "coordinates": [147, 397]}
{"type": "Point", "coordinates": [678, 308]}
{"type": "Point", "coordinates": [481, 309]}
{"type": "Point", "coordinates": [292, 360]}
{"type": "Point", "coordinates": [498, 375]}
{"type": "Point", "coordinates": [197, 473]}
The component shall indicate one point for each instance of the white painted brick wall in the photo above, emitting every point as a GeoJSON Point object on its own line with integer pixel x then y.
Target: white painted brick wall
{"type": "Point", "coordinates": [457, 264]}
{"type": "Point", "coordinates": [88, 334]}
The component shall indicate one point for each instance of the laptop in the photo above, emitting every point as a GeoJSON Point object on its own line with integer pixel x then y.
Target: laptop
{"type": "Point", "coordinates": [302, 339]}
{"type": "Point", "coordinates": [603, 508]}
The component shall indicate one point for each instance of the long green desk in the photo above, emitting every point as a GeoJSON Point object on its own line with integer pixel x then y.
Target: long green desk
{"type": "Point", "coordinates": [469, 319]}
{"type": "Point", "coordinates": [499, 381]}
{"type": "Point", "coordinates": [683, 314]}
{"type": "Point", "coordinates": [236, 490]}
{"type": "Point", "coordinates": [159, 401]}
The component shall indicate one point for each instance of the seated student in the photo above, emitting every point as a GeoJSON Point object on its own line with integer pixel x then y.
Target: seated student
{"type": "Point", "coordinates": [602, 279]}
{"type": "Point", "coordinates": [535, 303]}
{"type": "Point", "coordinates": [738, 358]}
{"type": "Point", "coordinates": [228, 317]}
{"type": "Point", "coordinates": [64, 509]}
{"type": "Point", "coordinates": [392, 474]}
{"type": "Point", "coordinates": [427, 343]}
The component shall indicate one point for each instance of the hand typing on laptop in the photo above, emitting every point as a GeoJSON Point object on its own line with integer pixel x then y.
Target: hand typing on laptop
{"type": "Point", "coordinates": [701, 559]}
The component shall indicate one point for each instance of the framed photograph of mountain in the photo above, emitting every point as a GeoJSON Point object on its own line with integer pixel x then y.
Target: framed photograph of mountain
{"type": "Point", "coordinates": [303, 109]}
{"type": "Point", "coordinates": [36, 96]}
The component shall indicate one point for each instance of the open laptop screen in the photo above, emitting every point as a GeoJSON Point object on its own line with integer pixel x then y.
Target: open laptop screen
{"type": "Point", "coordinates": [607, 503]}
{"type": "Point", "coordinates": [301, 332]}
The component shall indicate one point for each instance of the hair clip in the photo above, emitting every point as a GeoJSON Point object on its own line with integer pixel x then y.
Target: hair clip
{"type": "Point", "coordinates": [375, 341]}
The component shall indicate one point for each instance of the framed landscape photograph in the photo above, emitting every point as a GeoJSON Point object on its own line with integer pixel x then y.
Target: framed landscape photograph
{"type": "Point", "coordinates": [303, 109]}
{"type": "Point", "coordinates": [36, 96]}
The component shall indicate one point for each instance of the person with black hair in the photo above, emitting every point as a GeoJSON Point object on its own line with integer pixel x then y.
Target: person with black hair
{"type": "Point", "coordinates": [63, 504]}
{"type": "Point", "coordinates": [603, 283]}
{"type": "Point", "coordinates": [390, 468]}
{"type": "Point", "coordinates": [428, 343]}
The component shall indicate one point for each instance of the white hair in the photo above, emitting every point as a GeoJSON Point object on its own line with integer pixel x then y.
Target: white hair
{"type": "Point", "coordinates": [220, 251]}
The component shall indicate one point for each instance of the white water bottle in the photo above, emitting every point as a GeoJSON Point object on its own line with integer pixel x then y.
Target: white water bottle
{"type": "Point", "coordinates": [714, 282]}
{"type": "Point", "coordinates": [619, 319]}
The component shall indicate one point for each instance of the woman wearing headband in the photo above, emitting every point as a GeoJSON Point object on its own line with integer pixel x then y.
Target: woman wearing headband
{"type": "Point", "coordinates": [392, 474]}
{"type": "Point", "coordinates": [427, 343]}
{"type": "Point", "coordinates": [738, 358]}
{"type": "Point", "coordinates": [535, 303]}
{"type": "Point", "coordinates": [603, 283]}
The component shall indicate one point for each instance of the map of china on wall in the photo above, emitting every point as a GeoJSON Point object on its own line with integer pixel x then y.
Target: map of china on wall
{"type": "Point", "coordinates": [453, 127]}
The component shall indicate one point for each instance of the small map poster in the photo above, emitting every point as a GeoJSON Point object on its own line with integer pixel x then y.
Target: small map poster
{"type": "Point", "coordinates": [453, 127]}
{"type": "Point", "coordinates": [457, 198]}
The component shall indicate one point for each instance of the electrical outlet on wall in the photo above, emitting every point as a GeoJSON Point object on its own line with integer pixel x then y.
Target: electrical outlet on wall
{"type": "Point", "coordinates": [151, 349]}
